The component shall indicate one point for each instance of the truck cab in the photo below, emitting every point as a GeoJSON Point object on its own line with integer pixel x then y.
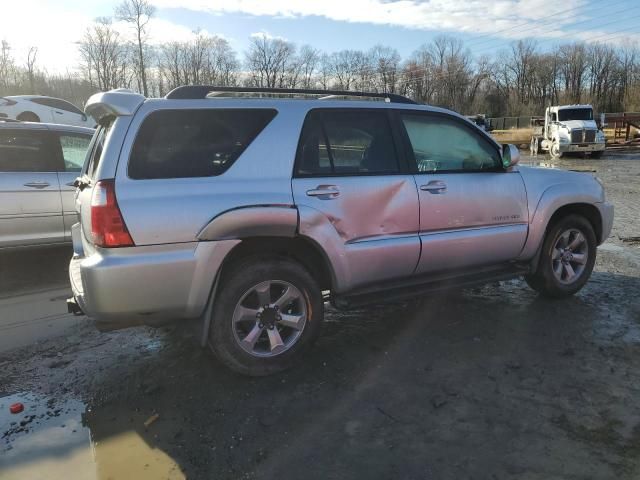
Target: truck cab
{"type": "Point", "coordinates": [568, 129]}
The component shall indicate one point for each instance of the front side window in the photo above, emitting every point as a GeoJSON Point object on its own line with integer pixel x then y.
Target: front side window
{"type": "Point", "coordinates": [25, 151]}
{"type": "Point", "coordinates": [346, 142]}
{"type": "Point", "coordinates": [194, 143]}
{"type": "Point", "coordinates": [74, 151]}
{"type": "Point", "coordinates": [442, 144]}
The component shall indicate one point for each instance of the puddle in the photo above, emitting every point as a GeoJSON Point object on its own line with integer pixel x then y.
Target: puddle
{"type": "Point", "coordinates": [63, 439]}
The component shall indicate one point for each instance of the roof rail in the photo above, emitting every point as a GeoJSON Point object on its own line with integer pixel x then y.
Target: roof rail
{"type": "Point", "coordinates": [192, 92]}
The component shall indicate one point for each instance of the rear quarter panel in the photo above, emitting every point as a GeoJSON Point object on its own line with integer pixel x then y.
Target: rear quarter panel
{"type": "Point", "coordinates": [175, 210]}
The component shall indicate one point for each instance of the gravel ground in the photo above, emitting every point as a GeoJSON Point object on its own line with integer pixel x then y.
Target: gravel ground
{"type": "Point", "coordinates": [488, 383]}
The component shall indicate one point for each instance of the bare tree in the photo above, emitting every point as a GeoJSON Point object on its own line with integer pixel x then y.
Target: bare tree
{"type": "Point", "coordinates": [138, 13]}
{"type": "Point", "coordinates": [268, 61]}
{"type": "Point", "coordinates": [31, 64]}
{"type": "Point", "coordinates": [6, 65]}
{"type": "Point", "coordinates": [105, 56]}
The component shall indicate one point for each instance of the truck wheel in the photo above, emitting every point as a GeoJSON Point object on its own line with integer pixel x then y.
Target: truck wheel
{"type": "Point", "coordinates": [555, 150]}
{"type": "Point", "coordinates": [535, 146]}
{"type": "Point", "coordinates": [267, 312]}
{"type": "Point", "coordinates": [597, 154]}
{"type": "Point", "coordinates": [567, 258]}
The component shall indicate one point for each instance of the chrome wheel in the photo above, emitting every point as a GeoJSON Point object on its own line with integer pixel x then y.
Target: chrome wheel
{"type": "Point", "coordinates": [269, 318]}
{"type": "Point", "coordinates": [569, 256]}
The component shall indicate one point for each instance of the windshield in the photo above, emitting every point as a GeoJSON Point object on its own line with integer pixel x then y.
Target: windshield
{"type": "Point", "coordinates": [575, 114]}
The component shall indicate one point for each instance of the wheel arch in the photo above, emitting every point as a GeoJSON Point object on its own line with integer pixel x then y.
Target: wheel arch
{"type": "Point", "coordinates": [299, 248]}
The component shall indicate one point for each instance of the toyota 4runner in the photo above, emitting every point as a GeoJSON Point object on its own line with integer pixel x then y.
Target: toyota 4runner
{"type": "Point", "coordinates": [248, 210]}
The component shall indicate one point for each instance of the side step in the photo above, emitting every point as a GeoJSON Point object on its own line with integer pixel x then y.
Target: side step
{"type": "Point", "coordinates": [417, 286]}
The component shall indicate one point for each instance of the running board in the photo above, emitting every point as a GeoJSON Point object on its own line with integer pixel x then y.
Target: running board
{"type": "Point", "coordinates": [417, 286]}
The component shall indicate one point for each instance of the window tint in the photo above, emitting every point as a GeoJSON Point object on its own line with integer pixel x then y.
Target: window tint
{"type": "Point", "coordinates": [25, 151]}
{"type": "Point", "coordinates": [346, 142]}
{"type": "Point", "coordinates": [443, 144]}
{"type": "Point", "coordinates": [194, 143]}
{"type": "Point", "coordinates": [74, 151]}
{"type": "Point", "coordinates": [57, 103]}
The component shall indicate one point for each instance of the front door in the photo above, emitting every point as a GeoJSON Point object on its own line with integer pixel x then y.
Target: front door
{"type": "Point", "coordinates": [30, 206]}
{"type": "Point", "coordinates": [356, 197]}
{"type": "Point", "coordinates": [472, 211]}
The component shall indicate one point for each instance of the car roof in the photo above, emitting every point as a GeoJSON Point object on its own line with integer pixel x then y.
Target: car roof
{"type": "Point", "coordinates": [54, 127]}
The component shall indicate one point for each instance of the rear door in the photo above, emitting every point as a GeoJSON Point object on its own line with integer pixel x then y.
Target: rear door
{"type": "Point", "coordinates": [472, 211]}
{"type": "Point", "coordinates": [30, 205]}
{"type": "Point", "coordinates": [349, 169]}
{"type": "Point", "coordinates": [73, 150]}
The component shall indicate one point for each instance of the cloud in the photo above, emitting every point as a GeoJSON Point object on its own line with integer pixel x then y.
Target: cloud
{"type": "Point", "coordinates": [56, 32]}
{"type": "Point", "coordinates": [472, 16]}
{"type": "Point", "coordinates": [264, 34]}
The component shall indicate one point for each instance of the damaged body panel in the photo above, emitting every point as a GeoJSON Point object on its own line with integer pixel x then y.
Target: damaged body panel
{"type": "Point", "coordinates": [368, 227]}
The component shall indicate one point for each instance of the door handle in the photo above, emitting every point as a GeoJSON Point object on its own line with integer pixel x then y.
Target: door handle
{"type": "Point", "coordinates": [324, 192]}
{"type": "Point", "coordinates": [37, 184]}
{"type": "Point", "coordinates": [71, 184]}
{"type": "Point", "coordinates": [59, 113]}
{"type": "Point", "coordinates": [435, 186]}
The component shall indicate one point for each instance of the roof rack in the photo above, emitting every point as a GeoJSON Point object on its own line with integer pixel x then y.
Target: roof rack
{"type": "Point", "coordinates": [192, 92]}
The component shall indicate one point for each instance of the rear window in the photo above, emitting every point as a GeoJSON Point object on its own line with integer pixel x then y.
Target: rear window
{"type": "Point", "coordinates": [194, 143]}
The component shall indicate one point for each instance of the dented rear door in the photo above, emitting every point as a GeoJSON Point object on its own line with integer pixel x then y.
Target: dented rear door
{"type": "Point", "coordinates": [354, 197]}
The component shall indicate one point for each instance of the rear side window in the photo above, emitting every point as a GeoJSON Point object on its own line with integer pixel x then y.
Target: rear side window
{"type": "Point", "coordinates": [346, 142]}
{"type": "Point", "coordinates": [26, 151]}
{"type": "Point", "coordinates": [194, 143]}
{"type": "Point", "coordinates": [74, 150]}
{"type": "Point", "coordinates": [98, 146]}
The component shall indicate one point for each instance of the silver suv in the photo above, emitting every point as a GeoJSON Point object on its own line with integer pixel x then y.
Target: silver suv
{"type": "Point", "coordinates": [248, 211]}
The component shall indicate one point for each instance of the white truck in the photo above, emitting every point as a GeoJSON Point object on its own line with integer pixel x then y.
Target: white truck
{"type": "Point", "coordinates": [568, 128]}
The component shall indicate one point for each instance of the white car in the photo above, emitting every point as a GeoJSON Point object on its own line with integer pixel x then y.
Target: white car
{"type": "Point", "coordinates": [36, 108]}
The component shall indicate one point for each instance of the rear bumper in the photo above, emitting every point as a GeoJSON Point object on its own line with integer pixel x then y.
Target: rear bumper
{"type": "Point", "coordinates": [138, 285]}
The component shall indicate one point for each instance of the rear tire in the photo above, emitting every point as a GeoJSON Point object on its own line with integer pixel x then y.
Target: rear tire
{"type": "Point", "coordinates": [28, 117]}
{"type": "Point", "coordinates": [567, 258]}
{"type": "Point", "coordinates": [268, 311]}
{"type": "Point", "coordinates": [597, 154]}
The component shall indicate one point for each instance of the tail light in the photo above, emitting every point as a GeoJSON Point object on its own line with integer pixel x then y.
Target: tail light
{"type": "Point", "coordinates": [107, 225]}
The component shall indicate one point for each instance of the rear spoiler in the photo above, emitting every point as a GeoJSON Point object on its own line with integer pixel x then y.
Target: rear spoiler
{"type": "Point", "coordinates": [119, 102]}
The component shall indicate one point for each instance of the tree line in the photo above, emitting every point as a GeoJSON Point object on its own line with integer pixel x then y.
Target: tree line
{"type": "Point", "coordinates": [520, 80]}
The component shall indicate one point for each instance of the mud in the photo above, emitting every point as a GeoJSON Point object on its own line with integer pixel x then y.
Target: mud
{"type": "Point", "coordinates": [487, 383]}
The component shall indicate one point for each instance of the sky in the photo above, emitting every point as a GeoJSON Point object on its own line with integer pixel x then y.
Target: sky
{"type": "Point", "coordinates": [486, 26]}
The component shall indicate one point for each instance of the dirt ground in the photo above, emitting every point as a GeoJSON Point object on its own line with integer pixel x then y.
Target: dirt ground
{"type": "Point", "coordinates": [488, 383]}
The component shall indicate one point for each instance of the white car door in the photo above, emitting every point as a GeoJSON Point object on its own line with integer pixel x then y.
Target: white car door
{"type": "Point", "coordinates": [30, 205]}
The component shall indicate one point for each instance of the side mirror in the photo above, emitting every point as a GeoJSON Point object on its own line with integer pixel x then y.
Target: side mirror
{"type": "Point", "coordinates": [510, 155]}
{"type": "Point", "coordinates": [84, 117]}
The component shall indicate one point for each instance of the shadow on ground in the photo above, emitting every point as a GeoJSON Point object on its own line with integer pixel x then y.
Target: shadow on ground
{"type": "Point", "coordinates": [488, 383]}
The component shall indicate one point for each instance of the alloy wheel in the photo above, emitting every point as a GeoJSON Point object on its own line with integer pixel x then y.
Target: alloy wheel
{"type": "Point", "coordinates": [269, 318]}
{"type": "Point", "coordinates": [569, 256]}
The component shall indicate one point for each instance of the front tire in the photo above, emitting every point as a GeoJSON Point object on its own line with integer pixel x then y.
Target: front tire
{"type": "Point", "coordinates": [555, 150]}
{"type": "Point", "coordinates": [567, 258]}
{"type": "Point", "coordinates": [268, 311]}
